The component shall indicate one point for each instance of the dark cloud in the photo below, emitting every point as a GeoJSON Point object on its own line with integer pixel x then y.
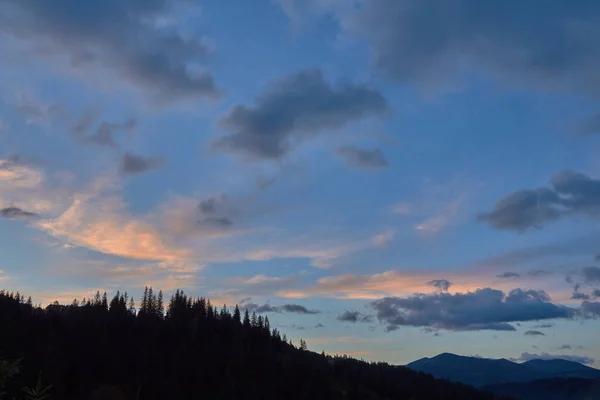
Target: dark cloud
{"type": "Point", "coordinates": [427, 42]}
{"type": "Point", "coordinates": [319, 325]}
{"type": "Point", "coordinates": [590, 309]}
{"type": "Point", "coordinates": [547, 325]}
{"type": "Point", "coordinates": [538, 272]}
{"type": "Point", "coordinates": [545, 356]}
{"type": "Point", "coordinates": [572, 194]}
{"type": "Point", "coordinates": [103, 135]}
{"type": "Point", "coordinates": [591, 274]}
{"type": "Point", "coordinates": [217, 221]}
{"type": "Point", "coordinates": [363, 158]}
{"type": "Point", "coordinates": [123, 36]}
{"type": "Point", "coordinates": [37, 111]}
{"type": "Point", "coordinates": [209, 206]}
{"type": "Point", "coordinates": [294, 108]}
{"type": "Point", "coordinates": [215, 212]}
{"type": "Point", "coordinates": [565, 347]}
{"type": "Point", "coordinates": [16, 212]}
{"type": "Point", "coordinates": [132, 164]}
{"type": "Point", "coordinates": [596, 293]}
{"type": "Point", "coordinates": [440, 284]}
{"type": "Point", "coordinates": [534, 333]}
{"type": "Point", "coordinates": [354, 317]}
{"type": "Point", "coordinates": [508, 275]}
{"type": "Point", "coordinates": [482, 309]}
{"type": "Point", "coordinates": [11, 161]}
{"type": "Point", "coordinates": [289, 308]}
{"type": "Point", "coordinates": [577, 295]}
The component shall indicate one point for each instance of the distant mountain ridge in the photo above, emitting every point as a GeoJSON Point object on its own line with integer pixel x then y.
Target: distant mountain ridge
{"type": "Point", "coordinates": [481, 372]}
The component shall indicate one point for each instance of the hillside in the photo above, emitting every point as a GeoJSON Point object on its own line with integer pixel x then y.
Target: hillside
{"type": "Point", "coordinates": [484, 371]}
{"type": "Point", "coordinates": [106, 349]}
{"type": "Point", "coordinates": [551, 389]}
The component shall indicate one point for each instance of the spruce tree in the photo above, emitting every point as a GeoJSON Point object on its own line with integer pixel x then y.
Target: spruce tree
{"type": "Point", "coordinates": [237, 318]}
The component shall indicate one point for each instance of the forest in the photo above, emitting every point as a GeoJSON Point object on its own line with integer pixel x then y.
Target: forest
{"type": "Point", "coordinates": [183, 348]}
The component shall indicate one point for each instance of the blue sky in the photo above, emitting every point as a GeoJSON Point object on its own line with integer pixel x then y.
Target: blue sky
{"type": "Point", "coordinates": [386, 179]}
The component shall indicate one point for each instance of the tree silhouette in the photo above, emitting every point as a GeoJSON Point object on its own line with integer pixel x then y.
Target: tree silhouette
{"type": "Point", "coordinates": [195, 351]}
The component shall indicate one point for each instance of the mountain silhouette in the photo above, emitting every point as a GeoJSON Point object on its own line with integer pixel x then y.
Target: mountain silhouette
{"type": "Point", "coordinates": [480, 372]}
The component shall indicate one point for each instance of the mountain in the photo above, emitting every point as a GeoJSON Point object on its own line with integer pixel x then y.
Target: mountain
{"type": "Point", "coordinates": [484, 371]}
{"type": "Point", "coordinates": [562, 368]}
{"type": "Point", "coordinates": [103, 349]}
{"type": "Point", "coordinates": [551, 389]}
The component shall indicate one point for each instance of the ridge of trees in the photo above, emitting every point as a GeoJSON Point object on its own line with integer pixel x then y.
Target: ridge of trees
{"type": "Point", "coordinates": [189, 349]}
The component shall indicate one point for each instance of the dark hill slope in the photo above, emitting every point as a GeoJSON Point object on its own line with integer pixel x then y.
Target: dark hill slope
{"type": "Point", "coordinates": [105, 350]}
{"type": "Point", "coordinates": [551, 389]}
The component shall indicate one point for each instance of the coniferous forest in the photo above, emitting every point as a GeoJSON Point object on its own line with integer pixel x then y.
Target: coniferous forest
{"type": "Point", "coordinates": [182, 348]}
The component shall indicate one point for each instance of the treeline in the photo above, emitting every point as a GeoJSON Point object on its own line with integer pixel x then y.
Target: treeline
{"type": "Point", "coordinates": [188, 349]}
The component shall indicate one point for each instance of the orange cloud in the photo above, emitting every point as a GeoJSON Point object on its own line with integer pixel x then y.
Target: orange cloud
{"type": "Point", "coordinates": [407, 282]}
{"type": "Point", "coordinates": [101, 223]}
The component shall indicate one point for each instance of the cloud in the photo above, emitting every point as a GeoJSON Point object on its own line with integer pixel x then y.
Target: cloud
{"type": "Point", "coordinates": [121, 36]}
{"type": "Point", "coordinates": [363, 158]}
{"type": "Point", "coordinates": [402, 208]}
{"type": "Point", "coordinates": [132, 164]}
{"type": "Point", "coordinates": [15, 212]}
{"type": "Point", "coordinates": [354, 317]}
{"type": "Point", "coordinates": [215, 212]}
{"type": "Point", "coordinates": [572, 194]}
{"type": "Point", "coordinates": [534, 333]}
{"type": "Point", "coordinates": [508, 275]}
{"type": "Point", "coordinates": [590, 309]}
{"type": "Point", "coordinates": [546, 325]}
{"type": "Point", "coordinates": [384, 238]}
{"type": "Point", "coordinates": [577, 295]}
{"type": "Point", "coordinates": [104, 134]}
{"type": "Point", "coordinates": [591, 274]}
{"type": "Point", "coordinates": [443, 218]}
{"type": "Point", "coordinates": [294, 108]}
{"type": "Point", "coordinates": [392, 283]}
{"type": "Point", "coordinates": [441, 284]}
{"type": "Point", "coordinates": [545, 356]}
{"type": "Point", "coordinates": [430, 42]}
{"type": "Point", "coordinates": [596, 292]}
{"type": "Point", "coordinates": [565, 347]}
{"type": "Point", "coordinates": [109, 229]}
{"type": "Point", "coordinates": [538, 272]}
{"type": "Point", "coordinates": [288, 308]}
{"type": "Point", "coordinates": [319, 325]}
{"type": "Point", "coordinates": [256, 285]}
{"type": "Point", "coordinates": [482, 309]}
{"type": "Point", "coordinates": [37, 111]}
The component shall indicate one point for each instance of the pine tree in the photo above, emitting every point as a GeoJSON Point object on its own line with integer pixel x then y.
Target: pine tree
{"type": "Point", "coordinates": [160, 308]}
{"type": "Point", "coordinates": [104, 302]}
{"type": "Point", "coordinates": [246, 322]}
{"type": "Point", "coordinates": [131, 307]}
{"type": "Point", "coordinates": [254, 320]}
{"type": "Point", "coordinates": [237, 318]}
{"type": "Point", "coordinates": [303, 345]}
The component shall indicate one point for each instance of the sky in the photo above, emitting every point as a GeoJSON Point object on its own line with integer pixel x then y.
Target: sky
{"type": "Point", "coordinates": [387, 179]}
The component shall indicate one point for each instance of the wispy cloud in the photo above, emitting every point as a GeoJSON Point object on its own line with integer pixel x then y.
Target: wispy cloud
{"type": "Point", "coordinates": [443, 218]}
{"type": "Point", "coordinates": [110, 229]}
{"type": "Point", "coordinates": [384, 238]}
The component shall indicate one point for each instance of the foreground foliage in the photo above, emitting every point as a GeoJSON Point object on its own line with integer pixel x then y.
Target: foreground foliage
{"type": "Point", "coordinates": [101, 349]}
